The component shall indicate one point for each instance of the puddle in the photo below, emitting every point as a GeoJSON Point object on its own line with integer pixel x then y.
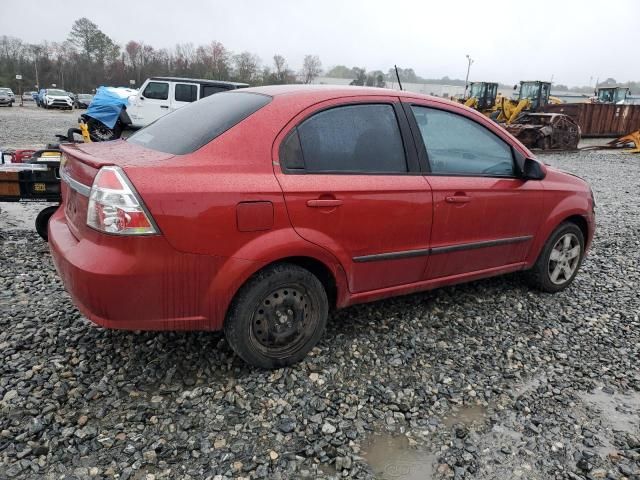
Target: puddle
{"type": "Point", "coordinates": [469, 415]}
{"type": "Point", "coordinates": [620, 412]}
{"type": "Point", "coordinates": [391, 458]}
{"type": "Point", "coordinates": [19, 216]}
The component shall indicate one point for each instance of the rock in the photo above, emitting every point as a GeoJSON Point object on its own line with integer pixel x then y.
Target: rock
{"type": "Point", "coordinates": [286, 425]}
{"type": "Point", "coordinates": [328, 428]}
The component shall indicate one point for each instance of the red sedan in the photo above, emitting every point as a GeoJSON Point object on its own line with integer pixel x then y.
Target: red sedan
{"type": "Point", "coordinates": [258, 210]}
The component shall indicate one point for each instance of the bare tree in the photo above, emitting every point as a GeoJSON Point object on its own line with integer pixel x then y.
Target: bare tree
{"type": "Point", "coordinates": [246, 66]}
{"type": "Point", "coordinates": [220, 61]}
{"type": "Point", "coordinates": [311, 68]}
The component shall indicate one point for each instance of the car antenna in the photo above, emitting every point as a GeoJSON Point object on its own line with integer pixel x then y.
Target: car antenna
{"type": "Point", "coordinates": [398, 76]}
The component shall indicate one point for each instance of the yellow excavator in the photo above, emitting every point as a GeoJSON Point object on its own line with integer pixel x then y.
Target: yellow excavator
{"type": "Point", "coordinates": [524, 116]}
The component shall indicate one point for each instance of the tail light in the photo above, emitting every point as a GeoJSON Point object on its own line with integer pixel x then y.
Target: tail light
{"type": "Point", "coordinates": [115, 207]}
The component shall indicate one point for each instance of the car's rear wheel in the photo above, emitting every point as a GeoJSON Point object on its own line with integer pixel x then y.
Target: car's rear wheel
{"type": "Point", "coordinates": [42, 222]}
{"type": "Point", "coordinates": [277, 317]}
{"type": "Point", "coordinates": [559, 260]}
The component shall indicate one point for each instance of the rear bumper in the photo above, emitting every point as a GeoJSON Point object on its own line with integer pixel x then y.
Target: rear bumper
{"type": "Point", "coordinates": [136, 283]}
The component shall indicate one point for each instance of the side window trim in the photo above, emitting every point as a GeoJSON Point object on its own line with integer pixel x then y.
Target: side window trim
{"type": "Point", "coordinates": [416, 136]}
{"type": "Point", "coordinates": [422, 148]}
{"type": "Point", "coordinates": [408, 142]}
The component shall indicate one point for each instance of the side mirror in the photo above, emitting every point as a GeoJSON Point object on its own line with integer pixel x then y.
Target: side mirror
{"type": "Point", "coordinates": [515, 87]}
{"type": "Point", "coordinates": [532, 170]}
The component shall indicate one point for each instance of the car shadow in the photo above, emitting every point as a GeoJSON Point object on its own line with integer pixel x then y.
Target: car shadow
{"type": "Point", "coordinates": [172, 362]}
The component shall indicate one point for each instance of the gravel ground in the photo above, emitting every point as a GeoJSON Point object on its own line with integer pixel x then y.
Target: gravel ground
{"type": "Point", "coordinates": [485, 380]}
{"type": "Point", "coordinates": [30, 126]}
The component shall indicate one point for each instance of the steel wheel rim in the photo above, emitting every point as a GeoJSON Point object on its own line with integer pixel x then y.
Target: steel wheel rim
{"type": "Point", "coordinates": [103, 133]}
{"type": "Point", "coordinates": [282, 321]}
{"type": "Point", "coordinates": [564, 259]}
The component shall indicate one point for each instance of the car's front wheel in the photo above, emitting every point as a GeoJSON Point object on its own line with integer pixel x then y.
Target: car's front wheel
{"type": "Point", "coordinates": [277, 317]}
{"type": "Point", "coordinates": [559, 260]}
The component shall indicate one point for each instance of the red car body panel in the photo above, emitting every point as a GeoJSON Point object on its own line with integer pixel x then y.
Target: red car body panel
{"type": "Point", "coordinates": [227, 210]}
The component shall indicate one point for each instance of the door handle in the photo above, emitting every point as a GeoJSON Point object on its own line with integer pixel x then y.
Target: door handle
{"type": "Point", "coordinates": [324, 203]}
{"type": "Point", "coordinates": [458, 199]}
{"type": "Point", "coordinates": [164, 106]}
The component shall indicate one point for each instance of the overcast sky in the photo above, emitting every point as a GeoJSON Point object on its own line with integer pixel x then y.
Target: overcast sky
{"type": "Point", "coordinates": [573, 41]}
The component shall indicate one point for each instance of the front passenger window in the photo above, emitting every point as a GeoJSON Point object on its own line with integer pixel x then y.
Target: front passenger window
{"type": "Point", "coordinates": [156, 91]}
{"type": "Point", "coordinates": [457, 145]}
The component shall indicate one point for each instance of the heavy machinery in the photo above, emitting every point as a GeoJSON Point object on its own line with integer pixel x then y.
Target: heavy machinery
{"type": "Point", "coordinates": [482, 96]}
{"type": "Point", "coordinates": [524, 116]}
{"type": "Point", "coordinates": [617, 95]}
{"type": "Point", "coordinates": [526, 119]}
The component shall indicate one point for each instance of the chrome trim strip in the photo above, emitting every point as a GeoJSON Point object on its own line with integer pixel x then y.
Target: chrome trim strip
{"type": "Point", "coordinates": [81, 188]}
{"type": "Point", "coordinates": [437, 250]}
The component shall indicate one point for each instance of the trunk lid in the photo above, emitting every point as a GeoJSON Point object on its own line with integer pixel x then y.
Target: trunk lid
{"type": "Point", "coordinates": [79, 166]}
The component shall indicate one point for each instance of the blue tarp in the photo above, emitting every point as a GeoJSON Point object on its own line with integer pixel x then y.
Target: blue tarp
{"type": "Point", "coordinates": [107, 104]}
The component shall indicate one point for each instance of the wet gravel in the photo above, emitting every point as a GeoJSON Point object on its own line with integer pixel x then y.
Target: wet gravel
{"type": "Point", "coordinates": [485, 380]}
{"type": "Point", "coordinates": [30, 126]}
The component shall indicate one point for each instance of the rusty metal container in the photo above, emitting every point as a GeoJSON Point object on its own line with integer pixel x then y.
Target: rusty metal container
{"type": "Point", "coordinates": [601, 120]}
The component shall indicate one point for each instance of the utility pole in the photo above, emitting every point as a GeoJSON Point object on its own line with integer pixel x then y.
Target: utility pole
{"type": "Point", "coordinates": [19, 78]}
{"type": "Point", "coordinates": [35, 64]}
{"type": "Point", "coordinates": [466, 81]}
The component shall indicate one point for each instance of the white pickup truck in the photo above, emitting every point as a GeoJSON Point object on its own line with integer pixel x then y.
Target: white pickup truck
{"type": "Point", "coordinates": [160, 95]}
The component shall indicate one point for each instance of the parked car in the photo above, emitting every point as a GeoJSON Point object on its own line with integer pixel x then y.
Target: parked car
{"type": "Point", "coordinates": [160, 95]}
{"type": "Point", "coordinates": [73, 97]}
{"type": "Point", "coordinates": [257, 211]}
{"type": "Point", "coordinates": [106, 117]}
{"type": "Point", "coordinates": [55, 98]}
{"type": "Point", "coordinates": [9, 93]}
{"type": "Point", "coordinates": [28, 96]}
{"type": "Point", "coordinates": [83, 100]}
{"type": "Point", "coordinates": [5, 98]}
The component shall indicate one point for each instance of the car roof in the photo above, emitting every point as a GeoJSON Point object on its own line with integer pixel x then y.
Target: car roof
{"type": "Point", "coordinates": [201, 81]}
{"type": "Point", "coordinates": [320, 92]}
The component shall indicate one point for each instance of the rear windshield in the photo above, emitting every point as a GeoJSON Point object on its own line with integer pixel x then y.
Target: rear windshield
{"type": "Point", "coordinates": [192, 126]}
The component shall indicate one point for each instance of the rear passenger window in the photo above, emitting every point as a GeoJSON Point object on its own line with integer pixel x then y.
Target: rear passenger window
{"type": "Point", "coordinates": [459, 146]}
{"type": "Point", "coordinates": [186, 93]}
{"type": "Point", "coordinates": [353, 138]}
{"type": "Point", "coordinates": [156, 91]}
{"type": "Point", "coordinates": [211, 89]}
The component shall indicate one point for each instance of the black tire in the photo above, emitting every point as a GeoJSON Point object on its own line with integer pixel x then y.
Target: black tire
{"type": "Point", "coordinates": [42, 222]}
{"type": "Point", "coordinates": [542, 273]}
{"type": "Point", "coordinates": [277, 317]}
{"type": "Point", "coordinates": [99, 132]}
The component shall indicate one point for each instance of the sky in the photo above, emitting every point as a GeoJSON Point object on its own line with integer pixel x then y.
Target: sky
{"type": "Point", "coordinates": [572, 42]}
